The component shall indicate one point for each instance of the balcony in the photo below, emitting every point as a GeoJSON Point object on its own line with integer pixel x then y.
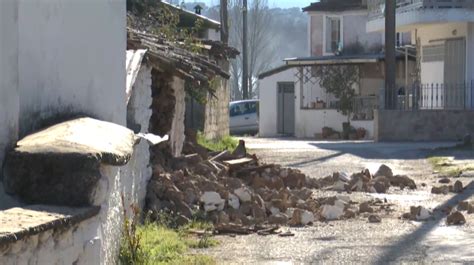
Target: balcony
{"type": "Point", "coordinates": [421, 11]}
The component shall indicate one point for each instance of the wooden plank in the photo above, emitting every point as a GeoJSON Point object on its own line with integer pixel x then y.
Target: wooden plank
{"type": "Point", "coordinates": [238, 162]}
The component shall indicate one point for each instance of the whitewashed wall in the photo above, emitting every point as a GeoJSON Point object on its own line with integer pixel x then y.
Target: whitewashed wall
{"type": "Point", "coordinates": [139, 113]}
{"type": "Point", "coordinates": [76, 245]}
{"type": "Point", "coordinates": [354, 29]}
{"type": "Point", "coordinates": [71, 59]}
{"type": "Point", "coordinates": [268, 102]}
{"type": "Point", "coordinates": [9, 98]}
{"type": "Point", "coordinates": [95, 240]}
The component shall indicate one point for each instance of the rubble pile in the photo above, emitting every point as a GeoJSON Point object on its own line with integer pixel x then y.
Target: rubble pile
{"type": "Point", "coordinates": [380, 182]}
{"type": "Point", "coordinates": [445, 189]}
{"type": "Point", "coordinates": [239, 193]}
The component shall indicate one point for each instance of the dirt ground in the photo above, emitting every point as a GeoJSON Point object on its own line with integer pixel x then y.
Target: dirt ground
{"type": "Point", "coordinates": [357, 241]}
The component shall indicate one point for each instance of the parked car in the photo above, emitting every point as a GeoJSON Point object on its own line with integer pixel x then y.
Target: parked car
{"type": "Point", "coordinates": [244, 116]}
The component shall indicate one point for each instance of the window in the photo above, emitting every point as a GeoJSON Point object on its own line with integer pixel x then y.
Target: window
{"type": "Point", "coordinates": [250, 108]}
{"type": "Point", "coordinates": [433, 53]}
{"type": "Point", "coordinates": [243, 108]}
{"type": "Point", "coordinates": [235, 110]}
{"type": "Point", "coordinates": [333, 34]}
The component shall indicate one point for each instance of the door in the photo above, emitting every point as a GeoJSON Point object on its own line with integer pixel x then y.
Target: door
{"type": "Point", "coordinates": [455, 73]}
{"type": "Point", "coordinates": [286, 108]}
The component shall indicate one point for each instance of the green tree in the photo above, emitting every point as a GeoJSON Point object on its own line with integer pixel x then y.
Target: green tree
{"type": "Point", "coordinates": [340, 81]}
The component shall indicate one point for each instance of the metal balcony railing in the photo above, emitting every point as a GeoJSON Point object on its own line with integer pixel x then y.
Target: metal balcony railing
{"type": "Point", "coordinates": [437, 97]}
{"type": "Point", "coordinates": [377, 7]}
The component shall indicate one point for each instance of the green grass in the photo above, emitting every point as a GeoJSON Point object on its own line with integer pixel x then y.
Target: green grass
{"type": "Point", "coordinates": [225, 143]}
{"type": "Point", "coordinates": [161, 245]}
{"type": "Point", "coordinates": [445, 166]}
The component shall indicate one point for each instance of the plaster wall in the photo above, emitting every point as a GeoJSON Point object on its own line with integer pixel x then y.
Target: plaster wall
{"type": "Point", "coordinates": [79, 245]}
{"type": "Point", "coordinates": [97, 239]}
{"type": "Point", "coordinates": [9, 95]}
{"type": "Point", "coordinates": [71, 60]}
{"type": "Point", "coordinates": [138, 116]}
{"type": "Point", "coordinates": [213, 34]}
{"type": "Point", "coordinates": [425, 125]}
{"type": "Point", "coordinates": [268, 102]}
{"type": "Point", "coordinates": [176, 134]}
{"type": "Point", "coordinates": [308, 122]}
{"type": "Point", "coordinates": [433, 72]}
{"type": "Point", "coordinates": [354, 30]}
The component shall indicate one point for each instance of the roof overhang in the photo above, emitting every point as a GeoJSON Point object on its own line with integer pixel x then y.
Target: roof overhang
{"type": "Point", "coordinates": [333, 60]}
{"type": "Point", "coordinates": [316, 61]}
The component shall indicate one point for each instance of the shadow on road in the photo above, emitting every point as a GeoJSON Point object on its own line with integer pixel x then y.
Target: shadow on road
{"type": "Point", "coordinates": [406, 151]}
{"type": "Point", "coordinates": [316, 160]}
{"type": "Point", "coordinates": [408, 242]}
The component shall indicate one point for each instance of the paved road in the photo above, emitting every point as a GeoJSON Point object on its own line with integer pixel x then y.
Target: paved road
{"type": "Point", "coordinates": [356, 241]}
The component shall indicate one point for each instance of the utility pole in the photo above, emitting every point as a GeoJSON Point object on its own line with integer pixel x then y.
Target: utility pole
{"type": "Point", "coordinates": [390, 55]}
{"type": "Point", "coordinates": [245, 65]}
{"type": "Point", "coordinates": [224, 22]}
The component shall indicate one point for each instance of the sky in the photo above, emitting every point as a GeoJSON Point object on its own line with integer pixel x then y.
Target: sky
{"type": "Point", "coordinates": [272, 3]}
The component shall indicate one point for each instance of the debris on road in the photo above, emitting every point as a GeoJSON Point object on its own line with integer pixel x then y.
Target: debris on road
{"type": "Point", "coordinates": [444, 181]}
{"type": "Point", "coordinates": [380, 182]}
{"type": "Point", "coordinates": [455, 218]}
{"type": "Point", "coordinates": [445, 189]}
{"type": "Point", "coordinates": [374, 218]}
{"type": "Point", "coordinates": [418, 213]}
{"type": "Point", "coordinates": [242, 195]}
{"type": "Point", "coordinates": [458, 187]}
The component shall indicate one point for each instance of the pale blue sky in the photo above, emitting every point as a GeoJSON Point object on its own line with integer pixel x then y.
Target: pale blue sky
{"type": "Point", "coordinates": [272, 3]}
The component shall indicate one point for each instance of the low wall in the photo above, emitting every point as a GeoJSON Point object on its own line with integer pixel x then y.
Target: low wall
{"type": "Point", "coordinates": [423, 125]}
{"type": "Point", "coordinates": [49, 235]}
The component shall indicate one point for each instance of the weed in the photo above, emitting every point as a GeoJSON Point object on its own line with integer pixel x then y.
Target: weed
{"type": "Point", "coordinates": [446, 166]}
{"type": "Point", "coordinates": [130, 247]}
{"type": "Point", "coordinates": [162, 241]}
{"type": "Point", "coordinates": [225, 143]}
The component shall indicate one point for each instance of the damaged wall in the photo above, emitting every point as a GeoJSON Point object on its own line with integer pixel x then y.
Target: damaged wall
{"type": "Point", "coordinates": [112, 163]}
{"type": "Point", "coordinates": [216, 120]}
{"type": "Point", "coordinates": [177, 136]}
{"type": "Point", "coordinates": [138, 119]}
{"type": "Point", "coordinates": [9, 98]}
{"type": "Point", "coordinates": [71, 60]}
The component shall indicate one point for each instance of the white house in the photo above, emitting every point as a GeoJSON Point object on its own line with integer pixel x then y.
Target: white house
{"type": "Point", "coordinates": [443, 32]}
{"type": "Point", "coordinates": [292, 101]}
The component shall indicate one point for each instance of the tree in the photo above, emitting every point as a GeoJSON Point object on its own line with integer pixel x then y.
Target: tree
{"type": "Point", "coordinates": [340, 81]}
{"type": "Point", "coordinates": [261, 49]}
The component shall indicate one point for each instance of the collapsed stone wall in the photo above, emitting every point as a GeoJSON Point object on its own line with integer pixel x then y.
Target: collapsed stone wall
{"type": "Point", "coordinates": [169, 106]}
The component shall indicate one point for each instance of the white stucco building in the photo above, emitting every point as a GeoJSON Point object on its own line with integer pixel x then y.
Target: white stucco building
{"type": "Point", "coordinates": [443, 32]}
{"type": "Point", "coordinates": [60, 59]}
{"type": "Point", "coordinates": [292, 102]}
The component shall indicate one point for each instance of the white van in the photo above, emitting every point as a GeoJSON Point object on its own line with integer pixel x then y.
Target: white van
{"type": "Point", "coordinates": [244, 117]}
